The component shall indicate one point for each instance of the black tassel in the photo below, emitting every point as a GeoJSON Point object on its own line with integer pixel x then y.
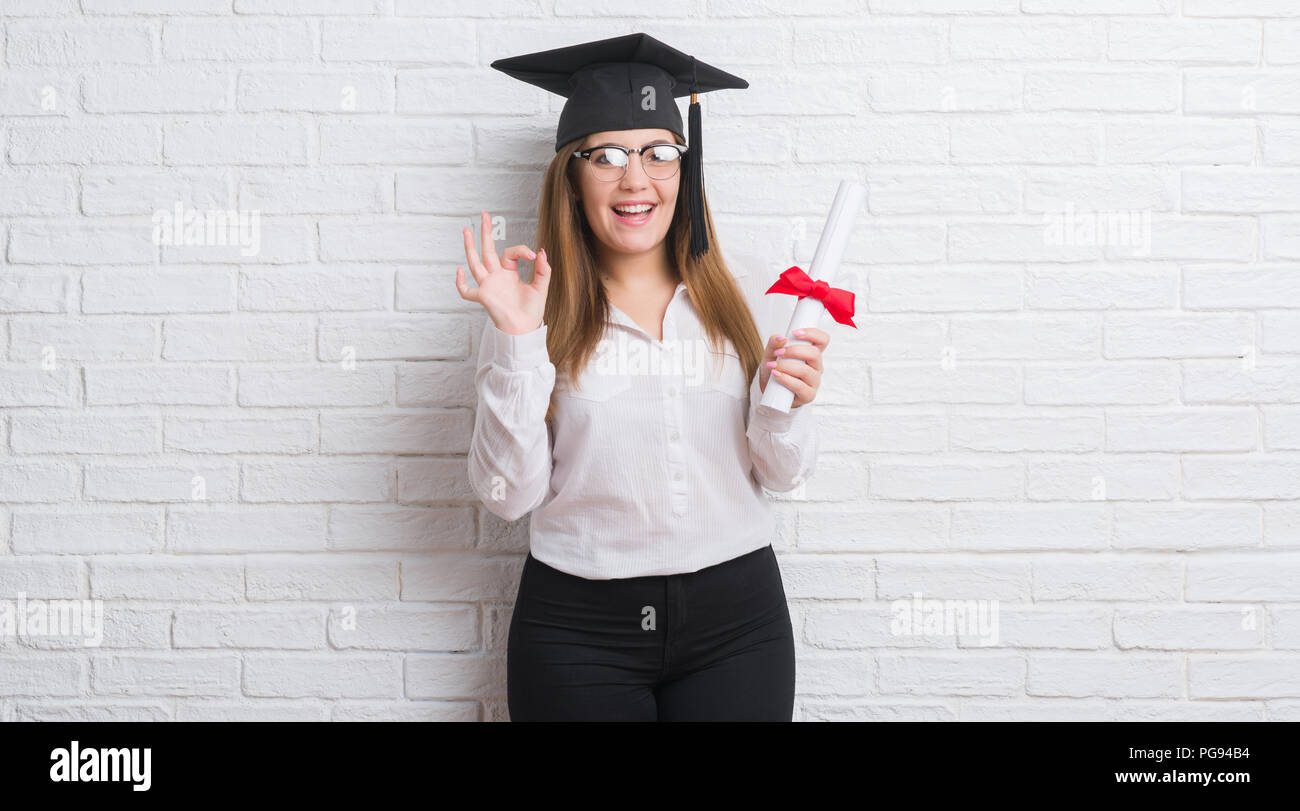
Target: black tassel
{"type": "Point", "coordinates": [695, 178]}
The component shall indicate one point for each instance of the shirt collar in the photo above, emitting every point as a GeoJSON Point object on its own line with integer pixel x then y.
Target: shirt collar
{"type": "Point", "coordinates": [616, 315]}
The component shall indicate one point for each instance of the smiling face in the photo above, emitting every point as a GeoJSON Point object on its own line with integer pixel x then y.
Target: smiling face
{"type": "Point", "coordinates": [627, 233]}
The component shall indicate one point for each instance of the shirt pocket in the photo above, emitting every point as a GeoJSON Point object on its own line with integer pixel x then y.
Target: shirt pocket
{"type": "Point", "coordinates": [597, 387]}
{"type": "Point", "coordinates": [731, 379]}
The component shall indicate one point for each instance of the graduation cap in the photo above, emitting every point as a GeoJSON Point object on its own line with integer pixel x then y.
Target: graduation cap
{"type": "Point", "coordinates": [616, 84]}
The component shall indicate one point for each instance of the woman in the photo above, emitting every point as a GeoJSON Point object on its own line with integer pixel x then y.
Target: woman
{"type": "Point", "coordinates": [651, 590]}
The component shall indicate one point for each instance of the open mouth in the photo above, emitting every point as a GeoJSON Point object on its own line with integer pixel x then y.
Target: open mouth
{"type": "Point", "coordinates": [634, 215]}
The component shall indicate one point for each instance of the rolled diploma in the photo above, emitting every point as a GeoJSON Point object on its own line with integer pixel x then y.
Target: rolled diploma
{"type": "Point", "coordinates": [826, 263]}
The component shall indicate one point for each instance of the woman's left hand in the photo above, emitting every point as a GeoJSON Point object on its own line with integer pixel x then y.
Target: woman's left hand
{"type": "Point", "coordinates": [799, 366]}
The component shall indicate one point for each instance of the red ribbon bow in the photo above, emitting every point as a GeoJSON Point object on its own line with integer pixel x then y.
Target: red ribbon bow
{"type": "Point", "coordinates": [837, 301]}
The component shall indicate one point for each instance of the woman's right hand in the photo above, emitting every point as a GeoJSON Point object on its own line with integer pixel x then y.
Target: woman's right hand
{"type": "Point", "coordinates": [514, 307]}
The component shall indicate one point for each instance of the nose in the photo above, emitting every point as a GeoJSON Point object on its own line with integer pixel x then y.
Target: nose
{"type": "Point", "coordinates": [634, 177]}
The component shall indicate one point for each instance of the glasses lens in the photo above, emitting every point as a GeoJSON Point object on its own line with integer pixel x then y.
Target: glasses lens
{"type": "Point", "coordinates": [660, 161]}
{"type": "Point", "coordinates": [608, 164]}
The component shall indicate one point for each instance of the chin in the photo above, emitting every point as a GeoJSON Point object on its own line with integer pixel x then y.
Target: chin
{"type": "Point", "coordinates": [639, 244]}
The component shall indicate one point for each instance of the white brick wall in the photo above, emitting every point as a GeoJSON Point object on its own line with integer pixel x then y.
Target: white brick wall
{"type": "Point", "coordinates": [256, 461]}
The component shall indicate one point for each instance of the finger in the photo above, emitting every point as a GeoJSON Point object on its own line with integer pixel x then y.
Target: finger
{"type": "Point", "coordinates": [466, 292]}
{"type": "Point", "coordinates": [802, 390]}
{"type": "Point", "coordinates": [807, 353]}
{"type": "Point", "coordinates": [510, 258]}
{"type": "Point", "coordinates": [471, 257]}
{"type": "Point", "coordinates": [796, 368]}
{"type": "Point", "coordinates": [541, 272]}
{"type": "Point", "coordinates": [489, 247]}
{"type": "Point", "coordinates": [814, 336]}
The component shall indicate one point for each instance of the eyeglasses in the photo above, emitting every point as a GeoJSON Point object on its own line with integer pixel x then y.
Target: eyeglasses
{"type": "Point", "coordinates": [609, 163]}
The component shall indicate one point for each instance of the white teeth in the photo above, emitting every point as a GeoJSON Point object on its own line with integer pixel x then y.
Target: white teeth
{"type": "Point", "coordinates": [639, 209]}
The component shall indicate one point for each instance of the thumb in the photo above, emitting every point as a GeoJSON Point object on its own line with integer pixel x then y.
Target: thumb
{"type": "Point", "coordinates": [774, 343]}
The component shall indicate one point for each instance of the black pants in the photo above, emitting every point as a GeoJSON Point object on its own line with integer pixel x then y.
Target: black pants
{"type": "Point", "coordinates": [710, 645]}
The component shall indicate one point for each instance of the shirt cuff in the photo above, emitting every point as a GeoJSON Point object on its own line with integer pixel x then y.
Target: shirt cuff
{"type": "Point", "coordinates": [516, 352]}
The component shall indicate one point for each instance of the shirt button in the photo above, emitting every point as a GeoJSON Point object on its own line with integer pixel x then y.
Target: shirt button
{"type": "Point", "coordinates": [672, 391]}
{"type": "Point", "coordinates": [673, 435]}
{"type": "Point", "coordinates": [677, 475]}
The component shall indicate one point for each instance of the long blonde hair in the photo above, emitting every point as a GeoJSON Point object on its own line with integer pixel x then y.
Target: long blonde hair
{"type": "Point", "coordinates": [576, 305]}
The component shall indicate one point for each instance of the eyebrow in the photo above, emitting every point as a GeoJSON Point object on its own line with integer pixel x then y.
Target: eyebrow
{"type": "Point", "coordinates": [643, 146]}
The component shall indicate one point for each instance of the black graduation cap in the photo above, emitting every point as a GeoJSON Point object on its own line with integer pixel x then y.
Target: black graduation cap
{"type": "Point", "coordinates": [606, 83]}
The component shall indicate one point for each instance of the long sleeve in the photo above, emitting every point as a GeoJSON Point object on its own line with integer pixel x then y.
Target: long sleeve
{"type": "Point", "coordinates": [783, 447]}
{"type": "Point", "coordinates": [510, 452]}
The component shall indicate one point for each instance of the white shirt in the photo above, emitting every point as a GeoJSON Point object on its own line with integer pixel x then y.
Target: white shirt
{"type": "Point", "coordinates": [646, 472]}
